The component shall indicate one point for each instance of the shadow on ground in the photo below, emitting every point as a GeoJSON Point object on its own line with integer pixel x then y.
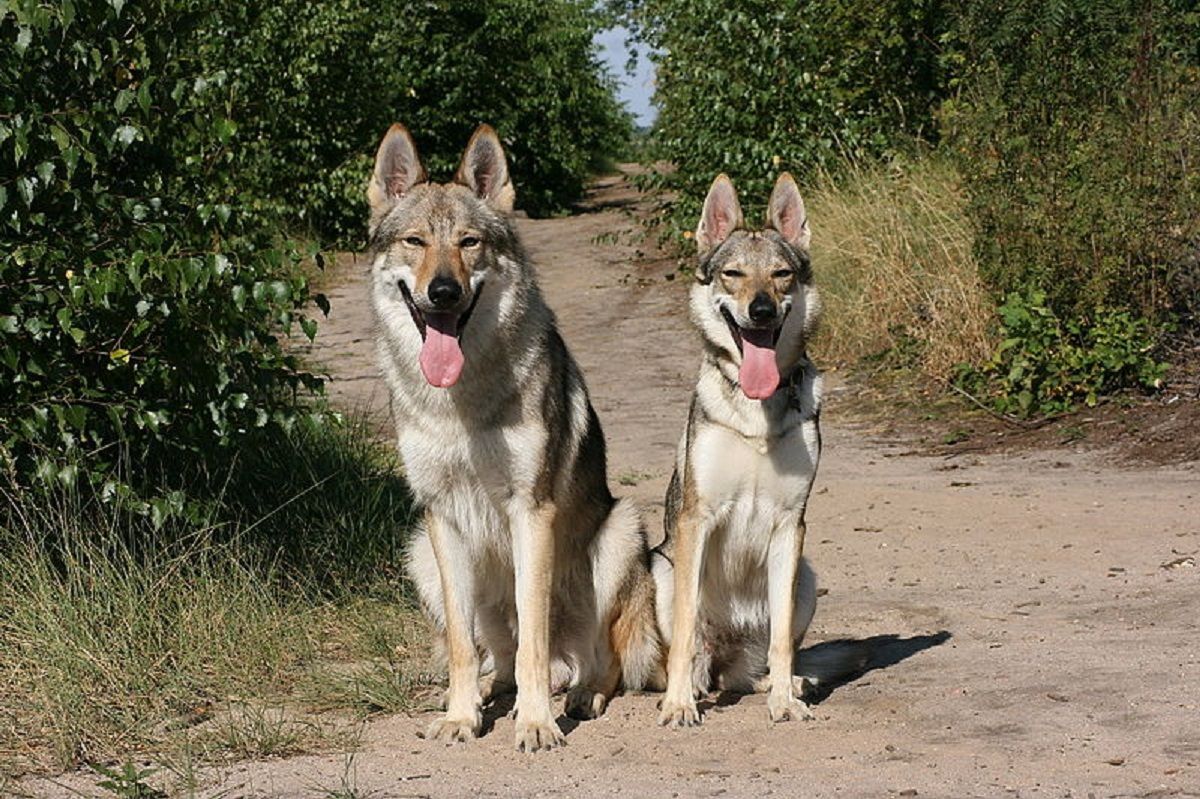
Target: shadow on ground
{"type": "Point", "coordinates": [832, 664]}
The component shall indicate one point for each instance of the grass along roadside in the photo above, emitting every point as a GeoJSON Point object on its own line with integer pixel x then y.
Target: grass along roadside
{"type": "Point", "coordinates": [266, 630]}
{"type": "Point", "coordinates": [892, 252]}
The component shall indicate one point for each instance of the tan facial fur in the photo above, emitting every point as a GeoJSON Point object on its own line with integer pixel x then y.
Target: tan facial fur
{"type": "Point", "coordinates": [757, 271]}
{"type": "Point", "coordinates": [452, 230]}
{"type": "Point", "coordinates": [440, 238]}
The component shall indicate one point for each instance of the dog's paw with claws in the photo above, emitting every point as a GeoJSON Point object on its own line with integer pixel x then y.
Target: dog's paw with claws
{"type": "Point", "coordinates": [678, 714]}
{"type": "Point", "coordinates": [584, 703]}
{"type": "Point", "coordinates": [788, 709]}
{"type": "Point", "coordinates": [535, 736]}
{"type": "Point", "coordinates": [454, 730]}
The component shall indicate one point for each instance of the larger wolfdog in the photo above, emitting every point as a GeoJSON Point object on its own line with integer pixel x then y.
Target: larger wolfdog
{"type": "Point", "coordinates": [523, 550]}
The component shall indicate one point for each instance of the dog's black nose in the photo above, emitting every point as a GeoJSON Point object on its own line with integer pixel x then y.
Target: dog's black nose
{"type": "Point", "coordinates": [444, 292]}
{"type": "Point", "coordinates": [762, 308]}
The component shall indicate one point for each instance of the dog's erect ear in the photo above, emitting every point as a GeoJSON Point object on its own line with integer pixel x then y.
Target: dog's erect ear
{"type": "Point", "coordinates": [397, 170]}
{"type": "Point", "coordinates": [484, 170]}
{"type": "Point", "coordinates": [721, 215]}
{"type": "Point", "coordinates": [786, 214]}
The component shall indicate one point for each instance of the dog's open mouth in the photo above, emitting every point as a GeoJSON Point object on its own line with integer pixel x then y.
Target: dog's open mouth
{"type": "Point", "coordinates": [759, 374]}
{"type": "Point", "coordinates": [441, 335]}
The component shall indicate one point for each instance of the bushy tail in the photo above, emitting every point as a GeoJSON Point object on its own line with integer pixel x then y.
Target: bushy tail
{"type": "Point", "coordinates": [625, 589]}
{"type": "Point", "coordinates": [636, 641]}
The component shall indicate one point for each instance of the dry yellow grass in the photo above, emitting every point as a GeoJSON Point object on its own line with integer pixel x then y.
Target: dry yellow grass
{"type": "Point", "coordinates": [892, 253]}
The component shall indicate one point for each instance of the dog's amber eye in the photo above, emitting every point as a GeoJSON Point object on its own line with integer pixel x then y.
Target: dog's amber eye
{"type": "Point", "coordinates": [733, 273]}
{"type": "Point", "coordinates": [468, 242]}
{"type": "Point", "coordinates": [782, 273]}
{"type": "Point", "coordinates": [414, 241]}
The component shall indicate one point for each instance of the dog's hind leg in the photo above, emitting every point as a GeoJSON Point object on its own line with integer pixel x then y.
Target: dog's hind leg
{"type": "Point", "coordinates": [464, 705]}
{"type": "Point", "coordinates": [783, 569]}
{"type": "Point", "coordinates": [599, 676]}
{"type": "Point", "coordinates": [496, 632]}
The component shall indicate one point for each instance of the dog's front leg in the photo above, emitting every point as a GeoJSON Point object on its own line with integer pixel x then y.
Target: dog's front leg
{"type": "Point", "coordinates": [679, 703]}
{"type": "Point", "coordinates": [783, 563]}
{"type": "Point", "coordinates": [533, 560]}
{"type": "Point", "coordinates": [464, 704]}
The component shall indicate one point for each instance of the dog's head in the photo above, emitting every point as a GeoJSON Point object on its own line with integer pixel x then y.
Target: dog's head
{"type": "Point", "coordinates": [756, 279]}
{"type": "Point", "coordinates": [437, 243]}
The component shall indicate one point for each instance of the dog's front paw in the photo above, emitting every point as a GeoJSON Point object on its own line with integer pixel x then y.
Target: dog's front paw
{"type": "Point", "coordinates": [788, 708]}
{"type": "Point", "coordinates": [454, 730]}
{"type": "Point", "coordinates": [584, 703]}
{"type": "Point", "coordinates": [678, 714]}
{"type": "Point", "coordinates": [533, 736]}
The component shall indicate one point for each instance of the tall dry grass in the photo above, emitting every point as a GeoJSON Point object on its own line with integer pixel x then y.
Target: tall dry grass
{"type": "Point", "coordinates": [892, 254]}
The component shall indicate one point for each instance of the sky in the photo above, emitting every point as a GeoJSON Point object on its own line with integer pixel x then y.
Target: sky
{"type": "Point", "coordinates": [635, 89]}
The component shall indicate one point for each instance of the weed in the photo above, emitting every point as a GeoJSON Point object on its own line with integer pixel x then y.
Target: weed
{"type": "Point", "coordinates": [383, 665]}
{"type": "Point", "coordinates": [348, 787]}
{"type": "Point", "coordinates": [117, 635]}
{"type": "Point", "coordinates": [128, 781]}
{"type": "Point", "coordinates": [1073, 433]}
{"type": "Point", "coordinates": [956, 437]}
{"type": "Point", "coordinates": [255, 732]}
{"type": "Point", "coordinates": [632, 477]}
{"type": "Point", "coordinates": [1045, 365]}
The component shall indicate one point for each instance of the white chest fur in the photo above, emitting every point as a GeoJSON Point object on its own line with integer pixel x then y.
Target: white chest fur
{"type": "Point", "coordinates": [470, 477]}
{"type": "Point", "coordinates": [754, 464]}
{"type": "Point", "coordinates": [767, 478]}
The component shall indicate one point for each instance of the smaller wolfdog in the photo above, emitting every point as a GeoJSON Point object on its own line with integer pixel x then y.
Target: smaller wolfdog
{"type": "Point", "coordinates": [735, 595]}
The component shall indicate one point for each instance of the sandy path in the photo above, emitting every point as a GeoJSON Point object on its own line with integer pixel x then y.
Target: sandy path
{"type": "Point", "coordinates": [1028, 639]}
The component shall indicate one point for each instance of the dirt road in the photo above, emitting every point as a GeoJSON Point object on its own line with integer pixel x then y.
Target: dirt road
{"type": "Point", "coordinates": [1033, 618]}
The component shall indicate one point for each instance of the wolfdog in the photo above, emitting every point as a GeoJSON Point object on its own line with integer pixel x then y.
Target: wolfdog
{"type": "Point", "coordinates": [523, 551]}
{"type": "Point", "coordinates": [734, 593]}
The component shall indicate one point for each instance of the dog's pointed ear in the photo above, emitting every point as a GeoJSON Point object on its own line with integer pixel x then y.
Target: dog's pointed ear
{"type": "Point", "coordinates": [721, 215]}
{"type": "Point", "coordinates": [484, 170]}
{"type": "Point", "coordinates": [397, 169]}
{"type": "Point", "coordinates": [786, 214]}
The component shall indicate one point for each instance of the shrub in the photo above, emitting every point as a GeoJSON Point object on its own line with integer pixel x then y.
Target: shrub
{"type": "Point", "coordinates": [1078, 129]}
{"type": "Point", "coordinates": [751, 88]}
{"type": "Point", "coordinates": [1044, 364]}
{"type": "Point", "coordinates": [154, 154]}
{"type": "Point", "coordinates": [141, 288]}
{"type": "Point", "coordinates": [528, 67]}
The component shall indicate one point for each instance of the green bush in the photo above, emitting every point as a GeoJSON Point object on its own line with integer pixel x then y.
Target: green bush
{"type": "Point", "coordinates": [142, 289]}
{"type": "Point", "coordinates": [751, 88]}
{"type": "Point", "coordinates": [154, 155]}
{"type": "Point", "coordinates": [1044, 364]}
{"type": "Point", "coordinates": [1078, 130]}
{"type": "Point", "coordinates": [528, 67]}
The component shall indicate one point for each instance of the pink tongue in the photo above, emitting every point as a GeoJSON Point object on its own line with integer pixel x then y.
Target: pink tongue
{"type": "Point", "coordinates": [759, 375]}
{"type": "Point", "coordinates": [441, 357]}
